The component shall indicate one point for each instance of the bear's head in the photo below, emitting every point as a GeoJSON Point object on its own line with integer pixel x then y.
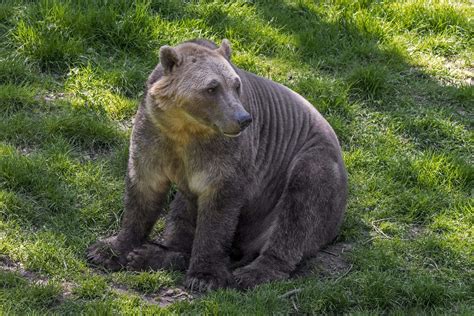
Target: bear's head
{"type": "Point", "coordinates": [198, 85]}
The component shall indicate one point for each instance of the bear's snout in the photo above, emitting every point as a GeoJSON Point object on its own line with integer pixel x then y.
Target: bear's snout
{"type": "Point", "coordinates": [238, 120]}
{"type": "Point", "coordinates": [244, 120]}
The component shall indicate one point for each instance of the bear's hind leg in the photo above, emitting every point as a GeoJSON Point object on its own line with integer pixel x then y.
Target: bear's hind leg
{"type": "Point", "coordinates": [309, 213]}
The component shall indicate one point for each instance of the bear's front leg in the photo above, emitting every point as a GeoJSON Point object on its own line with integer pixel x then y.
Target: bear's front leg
{"type": "Point", "coordinates": [218, 213]}
{"type": "Point", "coordinates": [174, 249]}
{"type": "Point", "coordinates": [144, 197]}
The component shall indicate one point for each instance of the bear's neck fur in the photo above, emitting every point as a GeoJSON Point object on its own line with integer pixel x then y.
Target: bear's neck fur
{"type": "Point", "coordinates": [180, 127]}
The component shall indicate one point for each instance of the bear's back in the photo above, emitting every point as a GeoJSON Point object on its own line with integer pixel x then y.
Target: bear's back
{"type": "Point", "coordinates": [284, 123]}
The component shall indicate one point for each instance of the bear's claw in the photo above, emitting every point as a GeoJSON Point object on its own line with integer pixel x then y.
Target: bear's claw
{"type": "Point", "coordinates": [208, 281]}
{"type": "Point", "coordinates": [104, 254]}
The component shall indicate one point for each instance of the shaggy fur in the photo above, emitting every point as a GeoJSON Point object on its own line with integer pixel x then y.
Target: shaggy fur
{"type": "Point", "coordinates": [252, 202]}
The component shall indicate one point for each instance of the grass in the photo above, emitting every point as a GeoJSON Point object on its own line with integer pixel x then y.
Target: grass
{"type": "Point", "coordinates": [393, 78]}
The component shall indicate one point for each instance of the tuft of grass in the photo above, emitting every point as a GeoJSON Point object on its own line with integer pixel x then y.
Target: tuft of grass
{"type": "Point", "coordinates": [10, 280]}
{"type": "Point", "coordinates": [48, 44]}
{"type": "Point", "coordinates": [16, 72]}
{"type": "Point", "coordinates": [14, 98]}
{"type": "Point", "coordinates": [369, 82]}
{"type": "Point", "coordinates": [423, 17]}
{"type": "Point", "coordinates": [84, 129]}
{"type": "Point", "coordinates": [98, 90]}
{"type": "Point", "coordinates": [147, 282]}
{"type": "Point", "coordinates": [18, 296]}
{"type": "Point", "coordinates": [93, 287]}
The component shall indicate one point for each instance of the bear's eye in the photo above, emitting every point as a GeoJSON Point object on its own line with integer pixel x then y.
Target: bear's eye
{"type": "Point", "coordinates": [212, 87]}
{"type": "Point", "coordinates": [237, 86]}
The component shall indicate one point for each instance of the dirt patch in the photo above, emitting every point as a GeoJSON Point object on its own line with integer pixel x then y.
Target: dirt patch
{"type": "Point", "coordinates": [415, 231]}
{"type": "Point", "coordinates": [94, 154]}
{"type": "Point", "coordinates": [52, 96]}
{"type": "Point", "coordinates": [6, 264]}
{"type": "Point", "coordinates": [163, 298]}
{"type": "Point", "coordinates": [172, 295]}
{"type": "Point", "coordinates": [26, 150]}
{"type": "Point", "coordinates": [329, 262]}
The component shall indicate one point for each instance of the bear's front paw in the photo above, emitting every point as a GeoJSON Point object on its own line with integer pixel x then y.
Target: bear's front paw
{"type": "Point", "coordinates": [106, 253]}
{"type": "Point", "coordinates": [251, 275]}
{"type": "Point", "coordinates": [152, 256]}
{"type": "Point", "coordinates": [211, 279]}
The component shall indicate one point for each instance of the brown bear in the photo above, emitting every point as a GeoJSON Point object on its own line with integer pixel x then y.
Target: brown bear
{"type": "Point", "coordinates": [260, 178]}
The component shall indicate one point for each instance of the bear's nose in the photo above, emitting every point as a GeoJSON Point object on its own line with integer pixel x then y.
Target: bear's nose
{"type": "Point", "coordinates": [244, 121]}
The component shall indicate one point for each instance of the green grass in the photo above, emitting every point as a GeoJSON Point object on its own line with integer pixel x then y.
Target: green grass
{"type": "Point", "coordinates": [392, 77]}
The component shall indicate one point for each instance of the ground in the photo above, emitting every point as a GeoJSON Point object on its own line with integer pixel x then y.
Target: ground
{"type": "Point", "coordinates": [395, 80]}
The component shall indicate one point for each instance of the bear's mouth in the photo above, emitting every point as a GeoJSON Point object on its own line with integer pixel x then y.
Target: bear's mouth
{"type": "Point", "coordinates": [232, 135]}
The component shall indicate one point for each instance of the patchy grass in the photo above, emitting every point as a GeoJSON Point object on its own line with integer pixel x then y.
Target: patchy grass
{"type": "Point", "coordinates": [393, 78]}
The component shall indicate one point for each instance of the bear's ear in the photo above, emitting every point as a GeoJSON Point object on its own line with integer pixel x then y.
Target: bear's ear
{"type": "Point", "coordinates": [168, 58]}
{"type": "Point", "coordinates": [225, 49]}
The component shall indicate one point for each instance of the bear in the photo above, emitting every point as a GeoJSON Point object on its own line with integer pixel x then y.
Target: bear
{"type": "Point", "coordinates": [259, 175]}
